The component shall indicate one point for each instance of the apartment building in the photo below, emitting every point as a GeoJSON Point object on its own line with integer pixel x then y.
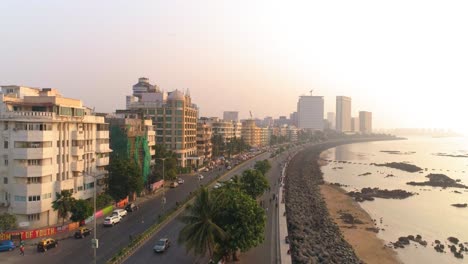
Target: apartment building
{"type": "Point", "coordinates": [174, 119]}
{"type": "Point", "coordinates": [132, 137]}
{"type": "Point", "coordinates": [204, 145]}
{"type": "Point", "coordinates": [251, 133]}
{"type": "Point", "coordinates": [49, 143]}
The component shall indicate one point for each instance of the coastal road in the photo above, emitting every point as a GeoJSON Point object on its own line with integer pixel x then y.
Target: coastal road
{"type": "Point", "coordinates": [177, 253]}
{"type": "Point", "coordinates": [112, 239]}
{"type": "Point", "coordinates": [268, 251]}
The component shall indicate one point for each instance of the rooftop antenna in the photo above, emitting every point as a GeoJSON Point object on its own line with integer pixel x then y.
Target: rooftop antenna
{"type": "Point", "coordinates": [311, 92]}
{"type": "Point", "coordinates": [251, 117]}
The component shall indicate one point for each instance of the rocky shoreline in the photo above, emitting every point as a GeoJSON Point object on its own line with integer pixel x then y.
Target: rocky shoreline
{"type": "Point", "coordinates": [313, 235]}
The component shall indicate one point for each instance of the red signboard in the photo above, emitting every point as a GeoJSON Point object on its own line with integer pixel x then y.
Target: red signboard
{"type": "Point", "coordinates": [37, 233]}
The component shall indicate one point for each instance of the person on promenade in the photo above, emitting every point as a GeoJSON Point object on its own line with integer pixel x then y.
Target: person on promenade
{"type": "Point", "coordinates": [22, 250]}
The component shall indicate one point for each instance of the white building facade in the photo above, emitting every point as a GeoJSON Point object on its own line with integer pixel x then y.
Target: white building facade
{"type": "Point", "coordinates": [310, 111]}
{"type": "Point", "coordinates": [343, 114]}
{"type": "Point", "coordinates": [49, 144]}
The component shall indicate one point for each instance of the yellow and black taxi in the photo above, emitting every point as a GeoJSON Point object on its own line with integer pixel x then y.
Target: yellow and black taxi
{"type": "Point", "coordinates": [46, 244]}
{"type": "Point", "coordinates": [82, 232]}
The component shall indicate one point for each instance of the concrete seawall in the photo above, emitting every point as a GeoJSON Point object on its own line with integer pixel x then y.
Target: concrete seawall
{"type": "Point", "coordinates": [314, 237]}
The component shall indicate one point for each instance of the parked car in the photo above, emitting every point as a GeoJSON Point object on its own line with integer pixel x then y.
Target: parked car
{"type": "Point", "coordinates": [7, 245]}
{"type": "Point", "coordinates": [174, 184]}
{"type": "Point", "coordinates": [131, 207]}
{"type": "Point", "coordinates": [47, 244]}
{"type": "Point", "coordinates": [229, 167]}
{"type": "Point", "coordinates": [120, 212]}
{"type": "Point", "coordinates": [162, 245]}
{"type": "Point", "coordinates": [180, 181]}
{"type": "Point", "coordinates": [112, 220]}
{"type": "Point", "coordinates": [217, 185]}
{"type": "Point", "coordinates": [200, 177]}
{"type": "Point", "coordinates": [82, 232]}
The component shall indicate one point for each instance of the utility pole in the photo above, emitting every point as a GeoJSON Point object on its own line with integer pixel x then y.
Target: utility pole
{"type": "Point", "coordinates": [164, 181]}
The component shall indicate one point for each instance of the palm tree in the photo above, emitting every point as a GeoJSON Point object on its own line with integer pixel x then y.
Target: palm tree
{"type": "Point", "coordinates": [64, 203]}
{"type": "Point", "coordinates": [200, 233]}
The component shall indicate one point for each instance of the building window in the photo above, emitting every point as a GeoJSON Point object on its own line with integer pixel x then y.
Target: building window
{"type": "Point", "coordinates": [46, 196]}
{"type": "Point", "coordinates": [20, 198]}
{"type": "Point", "coordinates": [5, 144]}
{"type": "Point", "coordinates": [34, 162]}
{"type": "Point", "coordinates": [34, 198]}
{"type": "Point", "coordinates": [5, 126]}
{"type": "Point", "coordinates": [32, 180]}
{"type": "Point", "coordinates": [80, 188]}
{"type": "Point", "coordinates": [6, 162]}
{"type": "Point", "coordinates": [34, 217]}
{"type": "Point", "coordinates": [5, 180]}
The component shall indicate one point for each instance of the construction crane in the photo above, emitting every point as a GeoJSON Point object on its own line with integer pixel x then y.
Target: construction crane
{"type": "Point", "coordinates": [251, 117]}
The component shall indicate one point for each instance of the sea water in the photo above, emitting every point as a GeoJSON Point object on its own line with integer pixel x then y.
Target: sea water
{"type": "Point", "coordinates": [429, 213]}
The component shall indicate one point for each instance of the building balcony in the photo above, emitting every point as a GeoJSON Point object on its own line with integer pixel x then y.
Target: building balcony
{"type": "Point", "coordinates": [103, 148]}
{"type": "Point", "coordinates": [33, 188]}
{"type": "Point", "coordinates": [152, 152]}
{"type": "Point", "coordinates": [32, 207]}
{"type": "Point", "coordinates": [34, 171]}
{"type": "Point", "coordinates": [102, 161]}
{"type": "Point", "coordinates": [77, 165]}
{"type": "Point", "coordinates": [33, 153]}
{"type": "Point", "coordinates": [25, 135]}
{"type": "Point", "coordinates": [77, 151]}
{"type": "Point", "coordinates": [102, 134]}
{"type": "Point", "coordinates": [18, 115]}
{"type": "Point", "coordinates": [77, 135]}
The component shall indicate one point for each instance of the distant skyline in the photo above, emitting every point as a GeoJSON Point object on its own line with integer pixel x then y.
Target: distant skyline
{"type": "Point", "coordinates": [404, 61]}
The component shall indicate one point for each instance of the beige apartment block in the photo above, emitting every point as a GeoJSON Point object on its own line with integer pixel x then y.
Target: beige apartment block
{"type": "Point", "coordinates": [251, 133]}
{"type": "Point", "coordinates": [174, 119]}
{"type": "Point", "coordinates": [49, 143]}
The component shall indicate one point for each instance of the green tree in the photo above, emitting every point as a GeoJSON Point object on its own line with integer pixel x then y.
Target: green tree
{"type": "Point", "coordinates": [63, 204]}
{"type": "Point", "coordinates": [170, 163]}
{"type": "Point", "coordinates": [81, 210]}
{"type": "Point", "coordinates": [253, 183]}
{"type": "Point", "coordinates": [124, 178]}
{"type": "Point", "coordinates": [103, 200]}
{"type": "Point", "coordinates": [171, 175]}
{"type": "Point", "coordinates": [219, 145]}
{"type": "Point", "coordinates": [7, 222]}
{"type": "Point", "coordinates": [263, 166]}
{"type": "Point", "coordinates": [200, 232]}
{"type": "Point", "coordinates": [241, 218]}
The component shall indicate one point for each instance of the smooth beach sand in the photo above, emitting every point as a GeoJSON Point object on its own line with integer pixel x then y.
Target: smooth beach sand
{"type": "Point", "coordinates": [368, 247]}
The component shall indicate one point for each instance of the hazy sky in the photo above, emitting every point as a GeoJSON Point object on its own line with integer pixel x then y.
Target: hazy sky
{"type": "Point", "coordinates": [406, 61]}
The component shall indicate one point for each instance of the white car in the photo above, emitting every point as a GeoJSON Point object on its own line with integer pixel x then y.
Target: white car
{"type": "Point", "coordinates": [120, 212]}
{"type": "Point", "coordinates": [200, 177]}
{"type": "Point", "coordinates": [112, 220]}
{"type": "Point", "coordinates": [180, 181]}
{"type": "Point", "coordinates": [217, 185]}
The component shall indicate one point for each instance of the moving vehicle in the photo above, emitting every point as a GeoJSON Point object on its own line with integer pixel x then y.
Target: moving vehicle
{"type": "Point", "coordinates": [217, 185]}
{"type": "Point", "coordinates": [180, 181]}
{"type": "Point", "coordinates": [112, 220]}
{"type": "Point", "coordinates": [162, 245]}
{"type": "Point", "coordinates": [82, 232]}
{"type": "Point", "coordinates": [7, 245]}
{"type": "Point", "coordinates": [200, 177]}
{"type": "Point", "coordinates": [174, 184]}
{"type": "Point", "coordinates": [229, 167]}
{"type": "Point", "coordinates": [131, 207]}
{"type": "Point", "coordinates": [46, 244]}
{"type": "Point", "coordinates": [120, 212]}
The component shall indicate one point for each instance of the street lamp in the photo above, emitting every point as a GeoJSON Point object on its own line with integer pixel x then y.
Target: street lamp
{"type": "Point", "coordinates": [164, 193]}
{"type": "Point", "coordinates": [94, 242]}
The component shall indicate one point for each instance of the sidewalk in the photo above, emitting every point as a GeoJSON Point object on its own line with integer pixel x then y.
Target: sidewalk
{"type": "Point", "coordinates": [283, 225]}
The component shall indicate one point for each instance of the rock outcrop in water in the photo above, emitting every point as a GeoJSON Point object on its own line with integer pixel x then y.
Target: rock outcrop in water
{"type": "Point", "coordinates": [460, 205]}
{"type": "Point", "coordinates": [400, 166]}
{"type": "Point", "coordinates": [368, 194]}
{"type": "Point", "coordinates": [439, 180]}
